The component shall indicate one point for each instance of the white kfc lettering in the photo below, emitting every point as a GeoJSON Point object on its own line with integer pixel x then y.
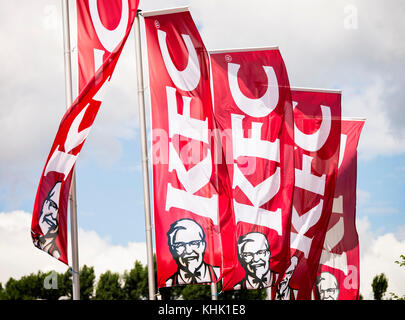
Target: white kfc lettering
{"type": "Point", "coordinates": [109, 38]}
{"type": "Point", "coordinates": [259, 216]}
{"type": "Point", "coordinates": [343, 140]}
{"type": "Point", "coordinates": [98, 58]}
{"type": "Point", "coordinates": [199, 175]}
{"type": "Point", "coordinates": [63, 161]}
{"type": "Point", "coordinates": [254, 107]}
{"type": "Point", "coordinates": [332, 239]}
{"type": "Point", "coordinates": [184, 125]}
{"type": "Point", "coordinates": [202, 206]}
{"type": "Point", "coordinates": [305, 179]}
{"type": "Point", "coordinates": [302, 224]}
{"type": "Point", "coordinates": [315, 141]}
{"type": "Point", "coordinates": [188, 78]}
{"type": "Point", "coordinates": [255, 146]}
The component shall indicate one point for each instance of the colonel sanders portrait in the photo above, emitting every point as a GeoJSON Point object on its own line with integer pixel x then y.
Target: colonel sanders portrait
{"type": "Point", "coordinates": [327, 286]}
{"type": "Point", "coordinates": [186, 239]}
{"type": "Point", "coordinates": [254, 255]}
{"type": "Point", "coordinates": [284, 292]}
{"type": "Point", "coordinates": [49, 222]}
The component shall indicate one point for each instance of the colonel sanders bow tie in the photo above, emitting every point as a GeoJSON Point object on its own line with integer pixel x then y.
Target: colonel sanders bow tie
{"type": "Point", "coordinates": [192, 276]}
{"type": "Point", "coordinates": [261, 282]}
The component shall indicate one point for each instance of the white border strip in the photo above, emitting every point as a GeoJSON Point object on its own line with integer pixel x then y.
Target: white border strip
{"type": "Point", "coordinates": [160, 12]}
{"type": "Point", "coordinates": [353, 119]}
{"type": "Point", "coordinates": [316, 90]}
{"type": "Point", "coordinates": [242, 49]}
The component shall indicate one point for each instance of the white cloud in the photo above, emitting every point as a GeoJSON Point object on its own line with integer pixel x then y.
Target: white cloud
{"type": "Point", "coordinates": [378, 137]}
{"type": "Point", "coordinates": [19, 257]}
{"type": "Point", "coordinates": [100, 253]}
{"type": "Point", "coordinates": [400, 233]}
{"type": "Point", "coordinates": [377, 255]}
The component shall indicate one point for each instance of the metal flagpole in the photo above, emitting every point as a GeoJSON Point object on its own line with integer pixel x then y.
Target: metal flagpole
{"type": "Point", "coordinates": [72, 195]}
{"type": "Point", "coordinates": [214, 293]}
{"type": "Point", "coordinates": [145, 173]}
{"type": "Point", "coordinates": [268, 293]}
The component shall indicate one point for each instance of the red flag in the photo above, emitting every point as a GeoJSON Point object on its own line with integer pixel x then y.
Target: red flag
{"type": "Point", "coordinates": [317, 140]}
{"type": "Point", "coordinates": [186, 182]}
{"type": "Point", "coordinates": [252, 102]}
{"type": "Point", "coordinates": [49, 219]}
{"type": "Point", "coordinates": [339, 268]}
{"type": "Point", "coordinates": [101, 28]}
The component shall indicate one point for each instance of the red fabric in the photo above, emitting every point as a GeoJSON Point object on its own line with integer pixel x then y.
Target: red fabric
{"type": "Point", "coordinates": [340, 254]}
{"type": "Point", "coordinates": [253, 110]}
{"type": "Point", "coordinates": [317, 139]}
{"type": "Point", "coordinates": [49, 219]}
{"type": "Point", "coordinates": [186, 182]}
{"type": "Point", "coordinates": [100, 32]}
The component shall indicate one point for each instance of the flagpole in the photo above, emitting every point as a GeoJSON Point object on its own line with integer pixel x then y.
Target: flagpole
{"type": "Point", "coordinates": [268, 293]}
{"type": "Point", "coordinates": [72, 194]}
{"type": "Point", "coordinates": [145, 173]}
{"type": "Point", "coordinates": [214, 293]}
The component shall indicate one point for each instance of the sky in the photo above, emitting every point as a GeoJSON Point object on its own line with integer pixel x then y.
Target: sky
{"type": "Point", "coordinates": [356, 46]}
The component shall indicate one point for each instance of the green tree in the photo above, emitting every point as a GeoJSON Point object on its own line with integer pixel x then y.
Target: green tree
{"type": "Point", "coordinates": [401, 263]}
{"type": "Point", "coordinates": [65, 283]}
{"type": "Point", "coordinates": [26, 288]}
{"type": "Point", "coordinates": [109, 287]}
{"type": "Point", "coordinates": [379, 285]}
{"type": "Point", "coordinates": [34, 286]}
{"type": "Point", "coordinates": [136, 282]}
{"type": "Point", "coordinates": [86, 278]}
{"type": "Point", "coordinates": [2, 293]}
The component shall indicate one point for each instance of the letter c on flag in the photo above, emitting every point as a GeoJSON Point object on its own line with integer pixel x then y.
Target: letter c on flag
{"type": "Point", "coordinates": [260, 107]}
{"type": "Point", "coordinates": [109, 38]}
{"type": "Point", "coordinates": [315, 141]}
{"type": "Point", "coordinates": [189, 78]}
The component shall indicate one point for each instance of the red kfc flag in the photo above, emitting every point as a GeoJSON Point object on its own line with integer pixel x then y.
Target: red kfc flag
{"type": "Point", "coordinates": [49, 219]}
{"type": "Point", "coordinates": [339, 268]}
{"type": "Point", "coordinates": [317, 139]}
{"type": "Point", "coordinates": [102, 26]}
{"type": "Point", "coordinates": [188, 195]}
{"type": "Point", "coordinates": [253, 110]}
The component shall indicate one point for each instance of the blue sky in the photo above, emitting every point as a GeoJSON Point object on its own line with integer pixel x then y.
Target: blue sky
{"type": "Point", "coordinates": [382, 181]}
{"type": "Point", "coordinates": [356, 46]}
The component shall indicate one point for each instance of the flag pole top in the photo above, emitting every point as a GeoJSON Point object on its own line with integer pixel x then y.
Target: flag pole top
{"type": "Point", "coordinates": [353, 119]}
{"type": "Point", "coordinates": [160, 12]}
{"type": "Point", "coordinates": [316, 90]}
{"type": "Point", "coordinates": [218, 51]}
